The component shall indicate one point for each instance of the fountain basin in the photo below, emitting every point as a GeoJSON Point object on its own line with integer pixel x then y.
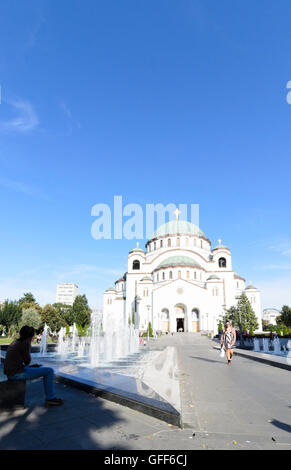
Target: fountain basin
{"type": "Point", "coordinates": [150, 385]}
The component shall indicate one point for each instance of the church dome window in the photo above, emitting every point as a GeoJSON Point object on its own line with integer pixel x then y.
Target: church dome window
{"type": "Point", "coordinates": [155, 246]}
{"type": "Point", "coordinates": [178, 242]}
{"type": "Point", "coordinates": [161, 244]}
{"type": "Point", "coordinates": [195, 275]}
{"type": "Point", "coordinates": [188, 274]}
{"type": "Point", "coordinates": [169, 242]}
{"type": "Point", "coordinates": [187, 241]}
{"type": "Point", "coordinates": [136, 264]}
{"type": "Point", "coordinates": [222, 262]}
{"type": "Point", "coordinates": [179, 274]}
{"type": "Point", "coordinates": [163, 276]}
{"type": "Point", "coordinates": [171, 275]}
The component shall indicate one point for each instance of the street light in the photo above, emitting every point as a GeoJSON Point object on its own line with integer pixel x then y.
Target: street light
{"type": "Point", "coordinates": [137, 301]}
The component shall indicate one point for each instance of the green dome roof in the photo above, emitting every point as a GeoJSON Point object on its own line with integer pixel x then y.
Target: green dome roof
{"type": "Point", "coordinates": [220, 247]}
{"type": "Point", "coordinates": [251, 287]}
{"type": "Point", "coordinates": [111, 289]}
{"type": "Point", "coordinates": [146, 278]}
{"type": "Point", "coordinates": [175, 227]}
{"type": "Point", "coordinates": [179, 261]}
{"type": "Point", "coordinates": [213, 276]}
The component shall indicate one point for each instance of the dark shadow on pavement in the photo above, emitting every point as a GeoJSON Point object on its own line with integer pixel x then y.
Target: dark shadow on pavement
{"type": "Point", "coordinates": [279, 424]}
{"type": "Point", "coordinates": [206, 360]}
{"type": "Point", "coordinates": [83, 422]}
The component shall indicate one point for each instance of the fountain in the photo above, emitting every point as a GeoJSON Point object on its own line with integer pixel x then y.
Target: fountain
{"type": "Point", "coordinates": [43, 343]}
{"type": "Point", "coordinates": [265, 345]}
{"type": "Point", "coordinates": [257, 345]}
{"type": "Point", "coordinates": [106, 344]}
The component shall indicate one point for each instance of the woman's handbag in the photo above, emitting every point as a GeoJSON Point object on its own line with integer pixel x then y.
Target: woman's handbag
{"type": "Point", "coordinates": [222, 352]}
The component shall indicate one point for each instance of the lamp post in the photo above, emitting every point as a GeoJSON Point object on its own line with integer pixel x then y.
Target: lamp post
{"type": "Point", "coordinates": [137, 300]}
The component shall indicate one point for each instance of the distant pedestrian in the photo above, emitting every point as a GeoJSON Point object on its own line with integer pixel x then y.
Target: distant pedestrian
{"type": "Point", "coordinates": [228, 339]}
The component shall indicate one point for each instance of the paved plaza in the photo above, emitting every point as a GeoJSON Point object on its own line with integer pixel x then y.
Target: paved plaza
{"type": "Point", "coordinates": [245, 406]}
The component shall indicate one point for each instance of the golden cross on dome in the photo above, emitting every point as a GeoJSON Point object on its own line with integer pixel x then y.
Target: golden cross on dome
{"type": "Point", "coordinates": [177, 213]}
{"type": "Point", "coordinates": [137, 244]}
{"type": "Point", "coordinates": [219, 241]}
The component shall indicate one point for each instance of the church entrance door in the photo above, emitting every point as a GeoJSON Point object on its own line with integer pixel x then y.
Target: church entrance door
{"type": "Point", "coordinates": [180, 324]}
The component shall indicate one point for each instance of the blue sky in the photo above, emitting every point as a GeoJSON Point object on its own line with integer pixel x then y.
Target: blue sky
{"type": "Point", "coordinates": [157, 101]}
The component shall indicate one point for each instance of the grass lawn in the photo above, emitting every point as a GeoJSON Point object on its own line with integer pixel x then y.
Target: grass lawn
{"type": "Point", "coordinates": [9, 340]}
{"type": "Point", "coordinates": [5, 340]}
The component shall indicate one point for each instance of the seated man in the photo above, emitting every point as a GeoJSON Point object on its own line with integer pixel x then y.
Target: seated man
{"type": "Point", "coordinates": [16, 365]}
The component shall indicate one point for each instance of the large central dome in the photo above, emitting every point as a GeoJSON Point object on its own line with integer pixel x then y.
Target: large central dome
{"type": "Point", "coordinates": [175, 227]}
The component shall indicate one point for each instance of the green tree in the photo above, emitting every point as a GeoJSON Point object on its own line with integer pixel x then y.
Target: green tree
{"type": "Point", "coordinates": [285, 316]}
{"type": "Point", "coordinates": [10, 314]}
{"type": "Point", "coordinates": [51, 317]}
{"type": "Point", "coordinates": [82, 330]}
{"type": "Point", "coordinates": [242, 313]}
{"type": "Point", "coordinates": [31, 317]}
{"type": "Point", "coordinates": [65, 312]}
{"type": "Point", "coordinates": [149, 330]}
{"type": "Point", "coordinates": [81, 311]}
{"type": "Point", "coordinates": [27, 298]}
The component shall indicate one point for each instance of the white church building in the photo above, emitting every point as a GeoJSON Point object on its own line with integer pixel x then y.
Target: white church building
{"type": "Point", "coordinates": [178, 282]}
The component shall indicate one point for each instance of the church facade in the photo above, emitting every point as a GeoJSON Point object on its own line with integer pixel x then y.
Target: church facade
{"type": "Point", "coordinates": [178, 283]}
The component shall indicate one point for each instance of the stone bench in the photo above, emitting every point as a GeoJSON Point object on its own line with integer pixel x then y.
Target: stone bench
{"type": "Point", "coordinates": [12, 394]}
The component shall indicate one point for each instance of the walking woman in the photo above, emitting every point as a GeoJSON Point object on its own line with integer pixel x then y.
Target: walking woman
{"type": "Point", "coordinates": [228, 339]}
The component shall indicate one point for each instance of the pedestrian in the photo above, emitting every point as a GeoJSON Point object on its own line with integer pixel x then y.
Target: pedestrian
{"type": "Point", "coordinates": [228, 339]}
{"type": "Point", "coordinates": [17, 365]}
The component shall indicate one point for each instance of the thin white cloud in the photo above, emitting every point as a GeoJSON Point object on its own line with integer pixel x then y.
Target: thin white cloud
{"type": "Point", "coordinates": [276, 267]}
{"type": "Point", "coordinates": [23, 188]}
{"type": "Point", "coordinates": [85, 271]}
{"type": "Point", "coordinates": [282, 248]}
{"type": "Point", "coordinates": [70, 119]}
{"type": "Point", "coordinates": [25, 120]}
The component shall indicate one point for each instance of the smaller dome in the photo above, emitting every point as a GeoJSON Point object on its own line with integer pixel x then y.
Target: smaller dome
{"type": "Point", "coordinates": [111, 289]}
{"type": "Point", "coordinates": [147, 278]}
{"type": "Point", "coordinates": [220, 247]}
{"type": "Point", "coordinates": [212, 277]}
{"type": "Point", "coordinates": [250, 286]}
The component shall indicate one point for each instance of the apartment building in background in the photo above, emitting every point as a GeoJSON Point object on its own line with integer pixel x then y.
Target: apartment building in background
{"type": "Point", "coordinates": [66, 293]}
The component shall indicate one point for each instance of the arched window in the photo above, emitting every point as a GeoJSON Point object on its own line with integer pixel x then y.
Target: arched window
{"type": "Point", "coordinates": [157, 277]}
{"type": "Point", "coordinates": [161, 244]}
{"type": "Point", "coordinates": [179, 274]}
{"type": "Point", "coordinates": [195, 275]}
{"type": "Point", "coordinates": [194, 241]}
{"type": "Point", "coordinates": [165, 314]}
{"type": "Point", "coordinates": [188, 274]}
{"type": "Point", "coordinates": [169, 242]}
{"type": "Point", "coordinates": [163, 276]}
{"type": "Point", "coordinates": [171, 274]}
{"type": "Point", "coordinates": [136, 264]}
{"type": "Point", "coordinates": [201, 243]}
{"type": "Point", "coordinates": [178, 241]}
{"type": "Point", "coordinates": [195, 314]}
{"type": "Point", "coordinates": [222, 262]}
{"type": "Point", "coordinates": [187, 241]}
{"type": "Point", "coordinates": [155, 246]}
